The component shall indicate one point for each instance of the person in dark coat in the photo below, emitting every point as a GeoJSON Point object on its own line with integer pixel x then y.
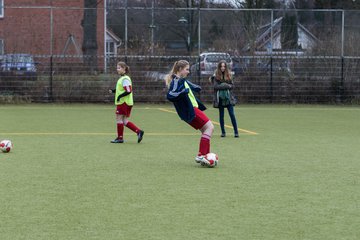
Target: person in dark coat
{"type": "Point", "coordinates": [223, 95]}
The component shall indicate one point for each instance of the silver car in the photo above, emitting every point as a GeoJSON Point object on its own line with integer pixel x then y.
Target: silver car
{"type": "Point", "coordinates": [207, 62]}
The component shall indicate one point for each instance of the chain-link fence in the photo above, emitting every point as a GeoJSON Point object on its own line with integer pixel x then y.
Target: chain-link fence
{"type": "Point", "coordinates": [69, 54]}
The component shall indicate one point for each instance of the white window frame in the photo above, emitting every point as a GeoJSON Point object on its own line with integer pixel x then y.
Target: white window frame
{"type": "Point", "coordinates": [1, 8]}
{"type": "Point", "coordinates": [110, 51]}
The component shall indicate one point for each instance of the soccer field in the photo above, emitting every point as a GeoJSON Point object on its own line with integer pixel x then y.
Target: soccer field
{"type": "Point", "coordinates": [294, 173]}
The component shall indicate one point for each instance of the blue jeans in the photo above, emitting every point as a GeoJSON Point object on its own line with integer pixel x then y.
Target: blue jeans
{"type": "Point", "coordinates": [230, 109]}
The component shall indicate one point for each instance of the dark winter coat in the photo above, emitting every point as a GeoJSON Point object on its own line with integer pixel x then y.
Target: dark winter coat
{"type": "Point", "coordinates": [178, 95]}
{"type": "Point", "coordinates": [220, 86]}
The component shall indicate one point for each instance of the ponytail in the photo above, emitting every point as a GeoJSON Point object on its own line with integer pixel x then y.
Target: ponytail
{"type": "Point", "coordinates": [178, 65]}
{"type": "Point", "coordinates": [125, 66]}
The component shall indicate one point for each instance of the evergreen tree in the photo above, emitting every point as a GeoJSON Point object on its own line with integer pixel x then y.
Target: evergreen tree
{"type": "Point", "coordinates": [89, 24]}
{"type": "Point", "coordinates": [289, 34]}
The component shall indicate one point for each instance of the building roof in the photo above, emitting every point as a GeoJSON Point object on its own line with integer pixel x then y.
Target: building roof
{"type": "Point", "coordinates": [264, 34]}
{"type": "Point", "coordinates": [113, 36]}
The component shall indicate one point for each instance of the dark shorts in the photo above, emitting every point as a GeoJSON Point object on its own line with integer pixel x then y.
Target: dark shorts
{"type": "Point", "coordinates": [200, 119]}
{"type": "Point", "coordinates": [123, 109]}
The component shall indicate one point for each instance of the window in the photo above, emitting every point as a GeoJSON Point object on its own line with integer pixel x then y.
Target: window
{"type": "Point", "coordinates": [110, 48]}
{"type": "Point", "coordinates": [1, 8]}
{"type": "Point", "coordinates": [1, 46]}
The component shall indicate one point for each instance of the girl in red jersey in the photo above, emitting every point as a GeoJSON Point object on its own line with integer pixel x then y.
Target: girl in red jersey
{"type": "Point", "coordinates": [124, 102]}
{"type": "Point", "coordinates": [188, 107]}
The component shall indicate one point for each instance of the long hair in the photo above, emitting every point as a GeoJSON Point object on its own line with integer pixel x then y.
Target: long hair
{"type": "Point", "coordinates": [227, 73]}
{"type": "Point", "coordinates": [125, 66]}
{"type": "Point", "coordinates": [178, 66]}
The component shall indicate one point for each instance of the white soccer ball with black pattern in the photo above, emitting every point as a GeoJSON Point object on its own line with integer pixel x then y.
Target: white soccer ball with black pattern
{"type": "Point", "coordinates": [6, 146]}
{"type": "Point", "coordinates": [213, 159]}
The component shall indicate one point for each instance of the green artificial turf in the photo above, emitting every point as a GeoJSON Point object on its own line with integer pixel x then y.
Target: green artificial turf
{"type": "Point", "coordinates": [293, 174]}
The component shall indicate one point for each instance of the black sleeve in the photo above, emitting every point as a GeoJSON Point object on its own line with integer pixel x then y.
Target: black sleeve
{"type": "Point", "coordinates": [122, 95]}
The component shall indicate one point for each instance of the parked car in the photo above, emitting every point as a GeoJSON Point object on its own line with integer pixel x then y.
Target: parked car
{"type": "Point", "coordinates": [18, 65]}
{"type": "Point", "coordinates": [207, 62]}
{"type": "Point", "coordinates": [243, 64]}
{"type": "Point", "coordinates": [260, 64]}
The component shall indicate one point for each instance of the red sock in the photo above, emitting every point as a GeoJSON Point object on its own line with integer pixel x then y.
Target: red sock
{"type": "Point", "coordinates": [204, 147]}
{"type": "Point", "coordinates": [120, 130]}
{"type": "Point", "coordinates": [132, 126]}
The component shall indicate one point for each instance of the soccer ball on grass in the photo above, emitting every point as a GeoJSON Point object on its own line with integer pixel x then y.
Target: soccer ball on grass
{"type": "Point", "coordinates": [212, 159]}
{"type": "Point", "coordinates": [6, 146]}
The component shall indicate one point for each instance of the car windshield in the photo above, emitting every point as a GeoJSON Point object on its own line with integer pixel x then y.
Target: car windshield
{"type": "Point", "coordinates": [18, 59]}
{"type": "Point", "coordinates": [18, 62]}
{"type": "Point", "coordinates": [218, 57]}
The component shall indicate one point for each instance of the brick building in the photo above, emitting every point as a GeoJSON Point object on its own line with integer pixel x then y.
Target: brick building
{"type": "Point", "coordinates": [46, 27]}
